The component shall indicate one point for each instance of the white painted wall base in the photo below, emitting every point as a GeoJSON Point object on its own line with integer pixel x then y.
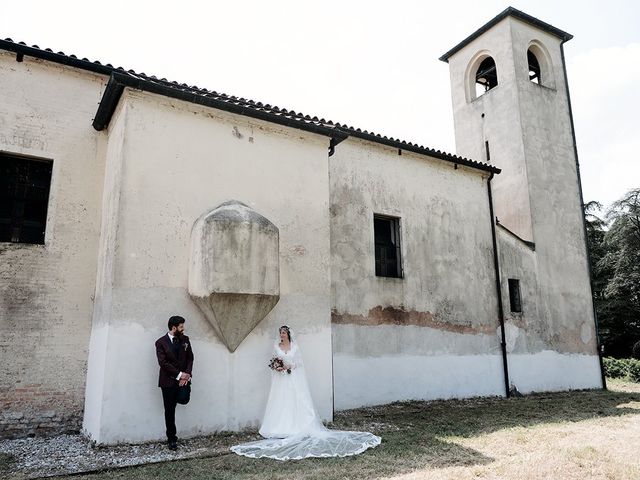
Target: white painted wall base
{"type": "Point", "coordinates": [229, 390]}
{"type": "Point", "coordinates": [375, 381]}
{"type": "Point", "coordinates": [553, 371]}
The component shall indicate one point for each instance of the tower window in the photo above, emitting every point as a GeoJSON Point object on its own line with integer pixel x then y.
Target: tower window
{"type": "Point", "coordinates": [486, 76]}
{"type": "Point", "coordinates": [534, 67]}
{"type": "Point", "coordinates": [514, 295]}
{"type": "Point", "coordinates": [24, 197]}
{"type": "Point", "coordinates": [387, 246]}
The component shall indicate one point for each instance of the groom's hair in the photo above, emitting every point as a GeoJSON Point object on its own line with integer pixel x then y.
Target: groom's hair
{"type": "Point", "coordinates": [175, 321]}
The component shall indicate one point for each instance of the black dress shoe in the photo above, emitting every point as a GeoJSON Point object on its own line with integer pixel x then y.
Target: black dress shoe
{"type": "Point", "coordinates": [172, 444]}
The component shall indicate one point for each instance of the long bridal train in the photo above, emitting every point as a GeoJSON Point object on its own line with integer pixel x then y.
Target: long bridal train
{"type": "Point", "coordinates": [291, 426]}
{"type": "Point", "coordinates": [326, 443]}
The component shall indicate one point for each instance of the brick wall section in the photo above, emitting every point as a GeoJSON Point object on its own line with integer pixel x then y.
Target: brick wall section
{"type": "Point", "coordinates": [46, 291]}
{"type": "Point", "coordinates": [35, 410]}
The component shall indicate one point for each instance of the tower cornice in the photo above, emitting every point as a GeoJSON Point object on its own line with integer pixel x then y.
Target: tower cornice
{"type": "Point", "coordinates": [508, 12]}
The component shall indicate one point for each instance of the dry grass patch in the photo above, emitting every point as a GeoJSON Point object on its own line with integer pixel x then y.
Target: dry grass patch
{"type": "Point", "coordinates": [569, 435]}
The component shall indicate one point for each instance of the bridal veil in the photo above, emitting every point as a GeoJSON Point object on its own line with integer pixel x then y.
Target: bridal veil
{"type": "Point", "coordinates": [291, 425]}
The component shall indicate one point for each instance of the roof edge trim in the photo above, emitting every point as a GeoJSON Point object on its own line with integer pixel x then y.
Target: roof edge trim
{"type": "Point", "coordinates": [508, 12]}
{"type": "Point", "coordinates": [456, 160]}
{"type": "Point", "coordinates": [119, 79]}
{"type": "Point", "coordinates": [529, 244]}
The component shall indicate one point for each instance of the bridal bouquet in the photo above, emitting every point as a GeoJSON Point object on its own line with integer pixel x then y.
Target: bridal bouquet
{"type": "Point", "coordinates": [278, 365]}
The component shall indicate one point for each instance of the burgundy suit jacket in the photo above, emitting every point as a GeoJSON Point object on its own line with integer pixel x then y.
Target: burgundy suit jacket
{"type": "Point", "coordinates": [170, 363]}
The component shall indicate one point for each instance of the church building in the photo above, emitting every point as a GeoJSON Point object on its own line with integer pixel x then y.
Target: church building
{"type": "Point", "coordinates": [404, 272]}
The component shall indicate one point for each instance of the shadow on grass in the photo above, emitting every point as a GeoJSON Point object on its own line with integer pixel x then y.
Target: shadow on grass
{"type": "Point", "coordinates": [471, 417]}
{"type": "Point", "coordinates": [414, 437]}
{"type": "Point", "coordinates": [399, 453]}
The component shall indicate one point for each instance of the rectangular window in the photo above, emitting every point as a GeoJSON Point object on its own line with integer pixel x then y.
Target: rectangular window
{"type": "Point", "coordinates": [24, 197]}
{"type": "Point", "coordinates": [387, 246]}
{"type": "Point", "coordinates": [514, 295]}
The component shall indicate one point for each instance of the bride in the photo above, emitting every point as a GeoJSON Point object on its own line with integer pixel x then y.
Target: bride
{"type": "Point", "coordinates": [291, 426]}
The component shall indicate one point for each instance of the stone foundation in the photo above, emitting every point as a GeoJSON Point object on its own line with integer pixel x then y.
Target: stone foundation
{"type": "Point", "coordinates": [34, 410]}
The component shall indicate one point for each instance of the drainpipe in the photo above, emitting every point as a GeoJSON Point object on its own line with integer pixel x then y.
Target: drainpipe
{"type": "Point", "coordinates": [584, 223]}
{"type": "Point", "coordinates": [335, 141]}
{"type": "Point", "coordinates": [496, 266]}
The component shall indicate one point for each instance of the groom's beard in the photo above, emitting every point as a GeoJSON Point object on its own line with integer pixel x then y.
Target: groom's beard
{"type": "Point", "coordinates": [179, 335]}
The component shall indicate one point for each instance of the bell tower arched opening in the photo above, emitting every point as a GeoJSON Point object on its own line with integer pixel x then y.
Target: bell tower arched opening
{"type": "Point", "coordinates": [539, 64]}
{"type": "Point", "coordinates": [534, 68]}
{"type": "Point", "coordinates": [481, 76]}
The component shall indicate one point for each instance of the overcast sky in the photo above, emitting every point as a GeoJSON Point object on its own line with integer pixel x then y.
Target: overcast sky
{"type": "Point", "coordinates": [370, 64]}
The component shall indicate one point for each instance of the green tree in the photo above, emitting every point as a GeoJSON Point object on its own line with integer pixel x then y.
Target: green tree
{"type": "Point", "coordinates": [596, 230]}
{"type": "Point", "coordinates": [616, 274]}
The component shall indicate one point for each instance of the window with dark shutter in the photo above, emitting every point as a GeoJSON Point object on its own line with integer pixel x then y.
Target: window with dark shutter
{"type": "Point", "coordinates": [24, 198]}
{"type": "Point", "coordinates": [514, 295]}
{"type": "Point", "coordinates": [387, 246]}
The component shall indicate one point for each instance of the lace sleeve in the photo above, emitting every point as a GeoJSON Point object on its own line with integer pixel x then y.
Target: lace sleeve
{"type": "Point", "coordinates": [296, 361]}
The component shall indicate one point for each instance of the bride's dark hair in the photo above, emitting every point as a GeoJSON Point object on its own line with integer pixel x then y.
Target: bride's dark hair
{"type": "Point", "coordinates": [286, 329]}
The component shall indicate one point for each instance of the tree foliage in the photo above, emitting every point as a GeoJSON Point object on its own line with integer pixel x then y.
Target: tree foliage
{"type": "Point", "coordinates": [614, 245]}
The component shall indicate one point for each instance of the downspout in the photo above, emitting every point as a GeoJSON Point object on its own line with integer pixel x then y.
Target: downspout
{"type": "Point", "coordinates": [496, 266]}
{"type": "Point", "coordinates": [584, 223]}
{"type": "Point", "coordinates": [333, 143]}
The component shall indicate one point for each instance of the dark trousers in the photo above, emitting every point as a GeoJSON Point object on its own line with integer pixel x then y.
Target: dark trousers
{"type": "Point", "coordinates": [169, 398]}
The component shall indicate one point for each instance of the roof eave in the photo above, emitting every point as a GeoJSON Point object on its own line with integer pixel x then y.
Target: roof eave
{"type": "Point", "coordinates": [454, 159]}
{"type": "Point", "coordinates": [119, 79]}
{"type": "Point", "coordinates": [60, 58]}
{"type": "Point", "coordinates": [508, 12]}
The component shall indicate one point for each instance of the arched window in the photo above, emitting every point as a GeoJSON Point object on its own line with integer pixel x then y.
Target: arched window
{"type": "Point", "coordinates": [534, 68]}
{"type": "Point", "coordinates": [486, 76]}
{"type": "Point", "coordinates": [539, 65]}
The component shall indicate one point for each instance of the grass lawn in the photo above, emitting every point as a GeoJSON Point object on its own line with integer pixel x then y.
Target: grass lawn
{"type": "Point", "coordinates": [571, 435]}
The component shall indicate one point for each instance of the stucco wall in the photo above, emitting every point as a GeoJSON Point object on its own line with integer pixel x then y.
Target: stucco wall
{"type": "Point", "coordinates": [537, 197]}
{"type": "Point", "coordinates": [46, 291]}
{"type": "Point", "coordinates": [178, 160]}
{"type": "Point", "coordinates": [555, 202]}
{"type": "Point", "coordinates": [494, 118]}
{"type": "Point", "coordinates": [433, 333]}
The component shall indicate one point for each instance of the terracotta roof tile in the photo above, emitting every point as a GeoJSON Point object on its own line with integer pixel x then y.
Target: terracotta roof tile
{"type": "Point", "coordinates": [268, 111]}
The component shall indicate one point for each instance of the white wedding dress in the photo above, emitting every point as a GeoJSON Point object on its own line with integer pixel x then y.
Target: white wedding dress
{"type": "Point", "coordinates": [291, 425]}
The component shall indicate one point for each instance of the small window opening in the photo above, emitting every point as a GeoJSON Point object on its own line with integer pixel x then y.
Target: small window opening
{"type": "Point", "coordinates": [486, 76]}
{"type": "Point", "coordinates": [387, 246]}
{"type": "Point", "coordinates": [514, 295]}
{"type": "Point", "coordinates": [24, 198]}
{"type": "Point", "coordinates": [487, 151]}
{"type": "Point", "coordinates": [534, 67]}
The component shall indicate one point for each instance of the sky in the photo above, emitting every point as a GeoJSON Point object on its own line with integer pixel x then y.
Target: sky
{"type": "Point", "coordinates": [370, 64]}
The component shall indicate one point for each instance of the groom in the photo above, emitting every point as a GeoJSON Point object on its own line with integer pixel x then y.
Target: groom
{"type": "Point", "coordinates": [175, 358]}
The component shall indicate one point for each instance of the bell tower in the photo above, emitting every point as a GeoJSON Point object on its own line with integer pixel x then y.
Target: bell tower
{"type": "Point", "coordinates": [512, 109]}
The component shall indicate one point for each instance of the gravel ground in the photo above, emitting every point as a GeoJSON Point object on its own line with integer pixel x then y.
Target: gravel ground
{"type": "Point", "coordinates": [40, 457]}
{"type": "Point", "coordinates": [28, 458]}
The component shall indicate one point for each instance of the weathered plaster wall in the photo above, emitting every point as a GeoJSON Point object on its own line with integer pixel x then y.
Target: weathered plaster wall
{"type": "Point", "coordinates": [537, 197]}
{"type": "Point", "coordinates": [565, 293]}
{"type": "Point", "coordinates": [99, 340]}
{"type": "Point", "coordinates": [493, 117]}
{"type": "Point", "coordinates": [177, 161]}
{"type": "Point", "coordinates": [433, 333]}
{"type": "Point", "coordinates": [543, 354]}
{"type": "Point", "coordinates": [46, 291]}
